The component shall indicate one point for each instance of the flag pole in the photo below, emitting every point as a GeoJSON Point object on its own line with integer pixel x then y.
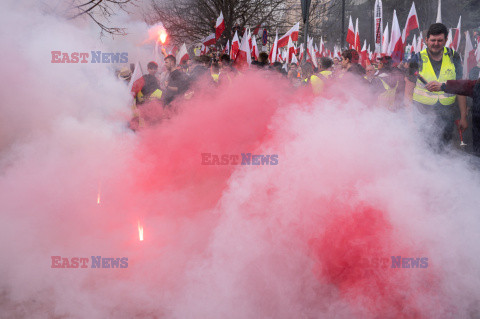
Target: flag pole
{"type": "Point", "coordinates": [305, 14]}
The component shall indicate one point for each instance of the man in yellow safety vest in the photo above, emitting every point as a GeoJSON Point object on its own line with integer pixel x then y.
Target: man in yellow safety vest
{"type": "Point", "coordinates": [436, 63]}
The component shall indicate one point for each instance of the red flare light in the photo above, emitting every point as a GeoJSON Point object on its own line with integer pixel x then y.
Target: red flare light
{"type": "Point", "coordinates": [162, 35]}
{"type": "Point", "coordinates": [140, 231]}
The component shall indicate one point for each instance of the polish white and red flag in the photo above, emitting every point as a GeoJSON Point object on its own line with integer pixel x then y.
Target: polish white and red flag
{"type": "Point", "coordinates": [293, 33]}
{"type": "Point", "coordinates": [350, 33]}
{"type": "Point", "coordinates": [244, 57]}
{"type": "Point", "coordinates": [395, 48]}
{"type": "Point", "coordinates": [274, 51]}
{"type": "Point", "coordinates": [209, 40]}
{"type": "Point", "coordinates": [449, 39]}
{"type": "Point", "coordinates": [226, 49]}
{"type": "Point", "coordinates": [235, 46]}
{"type": "Point", "coordinates": [420, 42]}
{"type": "Point", "coordinates": [311, 52]}
{"type": "Point", "coordinates": [458, 36]}
{"type": "Point", "coordinates": [411, 24]}
{"type": "Point", "coordinates": [321, 49]}
{"type": "Point", "coordinates": [336, 52]}
{"type": "Point", "coordinates": [249, 37]}
{"type": "Point", "coordinates": [364, 54]}
{"type": "Point", "coordinates": [219, 26]}
{"type": "Point", "coordinates": [470, 59]}
{"type": "Point", "coordinates": [317, 52]}
{"type": "Point", "coordinates": [182, 54]}
{"type": "Point", "coordinates": [294, 59]}
{"type": "Point", "coordinates": [357, 45]}
{"type": "Point", "coordinates": [255, 52]}
{"type": "Point", "coordinates": [385, 42]}
{"type": "Point", "coordinates": [290, 49]}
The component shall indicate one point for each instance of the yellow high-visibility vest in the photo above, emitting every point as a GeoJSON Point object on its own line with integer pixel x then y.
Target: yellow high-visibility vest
{"type": "Point", "coordinates": [387, 98]}
{"type": "Point", "coordinates": [326, 74]}
{"type": "Point", "coordinates": [317, 84]}
{"type": "Point", "coordinates": [447, 72]}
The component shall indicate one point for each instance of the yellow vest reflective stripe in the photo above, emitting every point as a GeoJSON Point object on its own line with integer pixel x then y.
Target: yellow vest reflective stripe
{"type": "Point", "coordinates": [447, 72]}
{"type": "Point", "coordinates": [157, 94]}
{"type": "Point", "coordinates": [317, 84]}
{"type": "Point", "coordinates": [387, 98]}
{"type": "Point", "coordinates": [326, 74]}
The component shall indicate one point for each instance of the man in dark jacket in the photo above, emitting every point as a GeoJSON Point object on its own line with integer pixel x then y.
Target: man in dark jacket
{"type": "Point", "coordinates": [467, 88]}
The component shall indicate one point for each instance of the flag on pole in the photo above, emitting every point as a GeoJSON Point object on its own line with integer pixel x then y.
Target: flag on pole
{"type": "Point", "coordinates": [293, 32]}
{"type": "Point", "coordinates": [219, 26]}
{"type": "Point", "coordinates": [411, 24]}
{"type": "Point", "coordinates": [235, 46]}
{"type": "Point", "coordinates": [273, 52]}
{"type": "Point", "coordinates": [209, 40]}
{"type": "Point", "coordinates": [182, 54]}
{"type": "Point", "coordinates": [385, 42]}
{"type": "Point", "coordinates": [249, 37]}
{"type": "Point", "coordinates": [294, 59]}
{"type": "Point", "coordinates": [439, 12]}
{"type": "Point", "coordinates": [395, 48]}
{"type": "Point", "coordinates": [364, 54]}
{"type": "Point", "coordinates": [255, 52]}
{"type": "Point", "coordinates": [226, 49]}
{"type": "Point", "coordinates": [322, 47]}
{"type": "Point", "coordinates": [357, 45]}
{"type": "Point", "coordinates": [290, 49]}
{"type": "Point", "coordinates": [350, 33]}
{"type": "Point", "coordinates": [469, 60]}
{"type": "Point", "coordinates": [458, 36]}
{"type": "Point", "coordinates": [311, 52]}
{"type": "Point", "coordinates": [137, 74]}
{"type": "Point", "coordinates": [449, 39]}
{"type": "Point", "coordinates": [378, 25]}
{"type": "Point", "coordinates": [244, 56]}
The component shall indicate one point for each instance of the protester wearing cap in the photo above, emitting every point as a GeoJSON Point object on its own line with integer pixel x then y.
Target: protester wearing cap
{"type": "Point", "coordinates": [437, 63]}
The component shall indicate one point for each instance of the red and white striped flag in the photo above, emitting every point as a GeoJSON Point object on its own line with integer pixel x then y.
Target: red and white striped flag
{"type": "Point", "coordinates": [182, 54]}
{"type": "Point", "coordinates": [293, 32]}
{"type": "Point", "coordinates": [357, 45]}
{"type": "Point", "coordinates": [411, 24]}
{"type": "Point", "coordinates": [290, 49]}
{"type": "Point", "coordinates": [458, 36]}
{"type": "Point", "coordinates": [255, 52]}
{"type": "Point", "coordinates": [351, 33]}
{"type": "Point", "coordinates": [219, 26]}
{"type": "Point", "coordinates": [209, 40]}
{"type": "Point", "coordinates": [244, 57]}
{"type": "Point", "coordinates": [274, 51]}
{"type": "Point", "coordinates": [469, 60]}
{"type": "Point", "coordinates": [235, 46]}
{"type": "Point", "coordinates": [395, 48]}
{"type": "Point", "coordinates": [385, 42]}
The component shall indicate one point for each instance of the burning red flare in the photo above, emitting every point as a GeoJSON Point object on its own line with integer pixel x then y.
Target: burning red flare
{"type": "Point", "coordinates": [162, 35]}
{"type": "Point", "coordinates": [140, 231]}
{"type": "Point", "coordinates": [98, 194]}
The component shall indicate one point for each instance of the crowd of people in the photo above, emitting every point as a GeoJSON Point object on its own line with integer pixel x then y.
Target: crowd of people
{"type": "Point", "coordinates": [429, 83]}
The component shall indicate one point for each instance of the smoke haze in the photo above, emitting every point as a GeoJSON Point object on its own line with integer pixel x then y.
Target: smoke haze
{"type": "Point", "coordinates": [306, 238]}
